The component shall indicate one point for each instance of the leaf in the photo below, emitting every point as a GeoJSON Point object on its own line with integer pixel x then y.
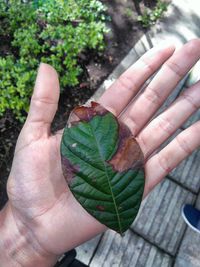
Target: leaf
{"type": "Point", "coordinates": [103, 165]}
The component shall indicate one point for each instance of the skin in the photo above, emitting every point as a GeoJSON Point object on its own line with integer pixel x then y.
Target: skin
{"type": "Point", "coordinates": [42, 219]}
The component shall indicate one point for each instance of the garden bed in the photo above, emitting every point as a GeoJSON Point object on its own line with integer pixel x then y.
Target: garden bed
{"type": "Point", "coordinates": [124, 32]}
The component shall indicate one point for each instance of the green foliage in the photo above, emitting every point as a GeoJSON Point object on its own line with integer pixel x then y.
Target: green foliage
{"type": "Point", "coordinates": [49, 31]}
{"type": "Point", "coordinates": [150, 16]}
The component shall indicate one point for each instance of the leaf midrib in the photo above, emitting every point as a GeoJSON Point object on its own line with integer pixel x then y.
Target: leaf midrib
{"type": "Point", "coordinates": [112, 194]}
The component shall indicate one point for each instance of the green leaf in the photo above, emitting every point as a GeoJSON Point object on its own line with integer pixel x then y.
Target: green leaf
{"type": "Point", "coordinates": [103, 165]}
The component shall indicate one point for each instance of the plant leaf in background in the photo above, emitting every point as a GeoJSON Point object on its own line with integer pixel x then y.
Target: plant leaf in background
{"type": "Point", "coordinates": [103, 165]}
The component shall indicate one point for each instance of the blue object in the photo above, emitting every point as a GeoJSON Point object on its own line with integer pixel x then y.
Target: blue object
{"type": "Point", "coordinates": [191, 216]}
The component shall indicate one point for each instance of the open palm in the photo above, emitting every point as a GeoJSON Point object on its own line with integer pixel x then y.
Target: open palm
{"type": "Point", "coordinates": [38, 193]}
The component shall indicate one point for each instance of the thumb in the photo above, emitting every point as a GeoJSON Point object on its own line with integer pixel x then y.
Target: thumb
{"type": "Point", "coordinates": [44, 101]}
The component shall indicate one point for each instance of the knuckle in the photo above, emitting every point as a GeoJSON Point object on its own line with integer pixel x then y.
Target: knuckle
{"type": "Point", "coordinates": [190, 100]}
{"type": "Point", "coordinates": [175, 68]}
{"type": "Point", "coordinates": [149, 65]}
{"type": "Point", "coordinates": [166, 125]}
{"type": "Point", "coordinates": [126, 82]}
{"type": "Point", "coordinates": [152, 96]}
{"type": "Point", "coordinates": [36, 103]}
{"type": "Point", "coordinates": [184, 145]}
{"type": "Point", "coordinates": [164, 163]}
{"type": "Point", "coordinates": [42, 101]}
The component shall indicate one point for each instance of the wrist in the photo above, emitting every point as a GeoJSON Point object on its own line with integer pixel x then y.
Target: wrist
{"type": "Point", "coordinates": [18, 247]}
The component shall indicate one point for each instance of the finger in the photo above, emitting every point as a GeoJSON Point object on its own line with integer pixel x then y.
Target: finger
{"type": "Point", "coordinates": [161, 86]}
{"type": "Point", "coordinates": [159, 165]}
{"type": "Point", "coordinates": [129, 83]}
{"type": "Point", "coordinates": [45, 97]}
{"type": "Point", "coordinates": [162, 127]}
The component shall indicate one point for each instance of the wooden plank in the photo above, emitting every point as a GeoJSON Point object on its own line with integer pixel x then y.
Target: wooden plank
{"type": "Point", "coordinates": [86, 250]}
{"type": "Point", "coordinates": [160, 219]}
{"type": "Point", "coordinates": [188, 172]}
{"type": "Point", "coordinates": [130, 250]}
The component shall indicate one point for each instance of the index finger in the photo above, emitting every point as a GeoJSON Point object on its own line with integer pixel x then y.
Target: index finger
{"type": "Point", "coordinates": [121, 92]}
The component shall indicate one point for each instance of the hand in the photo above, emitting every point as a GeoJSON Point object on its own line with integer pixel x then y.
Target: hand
{"type": "Point", "coordinates": [138, 112]}
{"type": "Point", "coordinates": [40, 203]}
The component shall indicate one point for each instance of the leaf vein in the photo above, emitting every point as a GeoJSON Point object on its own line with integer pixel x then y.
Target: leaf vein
{"type": "Point", "coordinates": [81, 159]}
{"type": "Point", "coordinates": [113, 197]}
{"type": "Point", "coordinates": [78, 175]}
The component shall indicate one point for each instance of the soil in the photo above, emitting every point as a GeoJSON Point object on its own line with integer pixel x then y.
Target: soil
{"type": "Point", "coordinates": [124, 33]}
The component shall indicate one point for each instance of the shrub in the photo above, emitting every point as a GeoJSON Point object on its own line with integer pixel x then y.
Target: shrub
{"type": "Point", "coordinates": [50, 31]}
{"type": "Point", "coordinates": [150, 16]}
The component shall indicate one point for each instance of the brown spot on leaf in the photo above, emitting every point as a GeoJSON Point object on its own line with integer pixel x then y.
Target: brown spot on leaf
{"type": "Point", "coordinates": [101, 208]}
{"type": "Point", "coordinates": [86, 113]}
{"type": "Point", "coordinates": [129, 154]}
{"type": "Point", "coordinates": [69, 170]}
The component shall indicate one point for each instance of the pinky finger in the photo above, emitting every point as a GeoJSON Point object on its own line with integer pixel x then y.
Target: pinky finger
{"type": "Point", "coordinates": [160, 164]}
